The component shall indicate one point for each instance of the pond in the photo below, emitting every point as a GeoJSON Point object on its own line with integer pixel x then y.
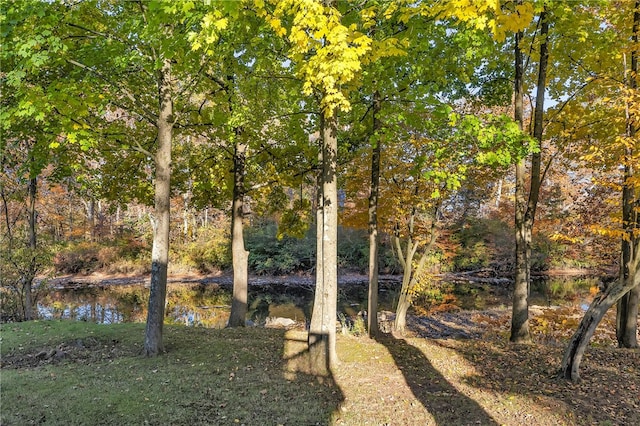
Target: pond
{"type": "Point", "coordinates": [207, 304]}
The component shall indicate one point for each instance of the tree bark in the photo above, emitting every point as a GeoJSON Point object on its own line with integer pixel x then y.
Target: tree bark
{"type": "Point", "coordinates": [374, 262]}
{"type": "Point", "coordinates": [153, 344]}
{"type": "Point", "coordinates": [410, 273]}
{"type": "Point", "coordinates": [627, 313]}
{"type": "Point", "coordinates": [520, 308]}
{"type": "Point", "coordinates": [240, 256]}
{"type": "Point", "coordinates": [526, 208]}
{"type": "Point", "coordinates": [5, 208]}
{"type": "Point", "coordinates": [598, 308]}
{"type": "Point", "coordinates": [90, 208]}
{"type": "Point", "coordinates": [33, 261]}
{"type": "Point", "coordinates": [322, 330]}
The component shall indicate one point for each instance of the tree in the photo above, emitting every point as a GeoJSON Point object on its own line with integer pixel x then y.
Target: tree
{"type": "Point", "coordinates": [252, 129]}
{"type": "Point", "coordinates": [376, 141]}
{"type": "Point", "coordinates": [132, 52]}
{"type": "Point", "coordinates": [160, 252]}
{"type": "Point", "coordinates": [627, 313]}
{"type": "Point", "coordinates": [623, 149]}
{"type": "Point", "coordinates": [513, 17]}
{"type": "Point", "coordinates": [327, 54]}
{"type": "Point", "coordinates": [413, 68]}
{"type": "Point", "coordinates": [30, 127]}
{"type": "Point", "coordinates": [526, 206]}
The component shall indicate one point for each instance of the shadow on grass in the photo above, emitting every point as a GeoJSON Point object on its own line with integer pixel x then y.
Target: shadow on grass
{"type": "Point", "coordinates": [271, 380]}
{"type": "Point", "coordinates": [443, 401]}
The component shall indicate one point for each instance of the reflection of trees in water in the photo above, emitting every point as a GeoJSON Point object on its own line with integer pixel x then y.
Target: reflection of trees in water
{"type": "Point", "coordinates": [91, 304]}
{"type": "Point", "coordinates": [198, 305]}
{"type": "Point", "coordinates": [280, 300]}
{"type": "Point", "coordinates": [205, 305]}
{"type": "Point", "coordinates": [563, 289]}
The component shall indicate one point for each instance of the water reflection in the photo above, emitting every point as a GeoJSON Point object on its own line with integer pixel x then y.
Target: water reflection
{"type": "Point", "coordinates": [209, 305]}
{"type": "Point", "coordinates": [560, 290]}
{"type": "Point", "coordinates": [88, 304]}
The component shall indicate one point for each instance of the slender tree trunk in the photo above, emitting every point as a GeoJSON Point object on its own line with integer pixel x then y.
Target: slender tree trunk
{"type": "Point", "coordinates": [520, 311]}
{"type": "Point", "coordinates": [322, 330]}
{"type": "Point", "coordinates": [153, 344]}
{"type": "Point", "coordinates": [400, 323]}
{"type": "Point", "coordinates": [404, 301]}
{"type": "Point", "coordinates": [372, 316]}
{"type": "Point", "coordinates": [240, 256]}
{"type": "Point", "coordinates": [409, 282]}
{"type": "Point", "coordinates": [627, 313]}
{"type": "Point", "coordinates": [33, 266]}
{"type": "Point", "coordinates": [5, 209]}
{"type": "Point", "coordinates": [410, 272]}
{"type": "Point", "coordinates": [526, 208]}
{"type": "Point", "coordinates": [91, 218]}
{"type": "Point", "coordinates": [599, 307]}
{"type": "Point", "coordinates": [498, 193]}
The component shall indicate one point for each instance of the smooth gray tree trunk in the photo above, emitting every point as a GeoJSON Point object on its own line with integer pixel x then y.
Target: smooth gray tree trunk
{"type": "Point", "coordinates": [322, 329]}
{"type": "Point", "coordinates": [374, 261]}
{"type": "Point", "coordinates": [153, 344]}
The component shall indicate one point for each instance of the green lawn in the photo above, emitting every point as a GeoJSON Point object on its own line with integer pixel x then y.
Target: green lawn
{"type": "Point", "coordinates": [78, 373]}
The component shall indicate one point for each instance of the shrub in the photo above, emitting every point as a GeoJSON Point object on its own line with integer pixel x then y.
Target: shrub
{"type": "Point", "coordinates": [18, 284]}
{"type": "Point", "coordinates": [270, 255]}
{"type": "Point", "coordinates": [353, 249]}
{"type": "Point", "coordinates": [484, 243]}
{"type": "Point", "coordinates": [123, 255]}
{"type": "Point", "coordinates": [77, 258]}
{"type": "Point", "coordinates": [211, 252]}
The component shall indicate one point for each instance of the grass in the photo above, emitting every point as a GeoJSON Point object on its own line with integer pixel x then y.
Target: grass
{"type": "Point", "coordinates": [257, 376]}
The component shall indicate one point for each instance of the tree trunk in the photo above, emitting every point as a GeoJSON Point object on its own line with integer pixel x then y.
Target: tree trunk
{"type": "Point", "coordinates": [33, 266]}
{"type": "Point", "coordinates": [627, 314]}
{"type": "Point", "coordinates": [317, 342]}
{"type": "Point", "coordinates": [410, 273]}
{"type": "Point", "coordinates": [520, 309]}
{"type": "Point", "coordinates": [5, 209]}
{"type": "Point", "coordinates": [322, 330]}
{"type": "Point", "coordinates": [595, 313]}
{"type": "Point", "coordinates": [526, 208]}
{"type": "Point", "coordinates": [90, 207]}
{"type": "Point", "coordinates": [153, 344]}
{"type": "Point", "coordinates": [404, 301]}
{"type": "Point", "coordinates": [627, 319]}
{"type": "Point", "coordinates": [240, 257]}
{"type": "Point", "coordinates": [372, 316]}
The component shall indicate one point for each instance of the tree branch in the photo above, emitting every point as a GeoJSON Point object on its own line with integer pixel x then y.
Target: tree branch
{"type": "Point", "coordinates": [126, 92]}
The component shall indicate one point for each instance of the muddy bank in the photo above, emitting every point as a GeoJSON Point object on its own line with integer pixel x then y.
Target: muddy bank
{"type": "Point", "coordinates": [224, 280]}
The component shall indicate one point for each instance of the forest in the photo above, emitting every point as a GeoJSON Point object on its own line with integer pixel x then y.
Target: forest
{"type": "Point", "coordinates": [491, 139]}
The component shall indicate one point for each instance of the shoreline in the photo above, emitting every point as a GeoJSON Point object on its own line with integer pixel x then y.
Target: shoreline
{"type": "Point", "coordinates": [226, 279]}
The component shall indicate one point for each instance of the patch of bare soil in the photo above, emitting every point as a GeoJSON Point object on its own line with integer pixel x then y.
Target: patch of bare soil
{"type": "Point", "coordinates": [83, 351]}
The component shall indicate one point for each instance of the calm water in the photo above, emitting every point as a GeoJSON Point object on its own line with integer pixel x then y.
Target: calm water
{"type": "Point", "coordinates": [196, 304]}
{"type": "Point", "coordinates": [209, 305]}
